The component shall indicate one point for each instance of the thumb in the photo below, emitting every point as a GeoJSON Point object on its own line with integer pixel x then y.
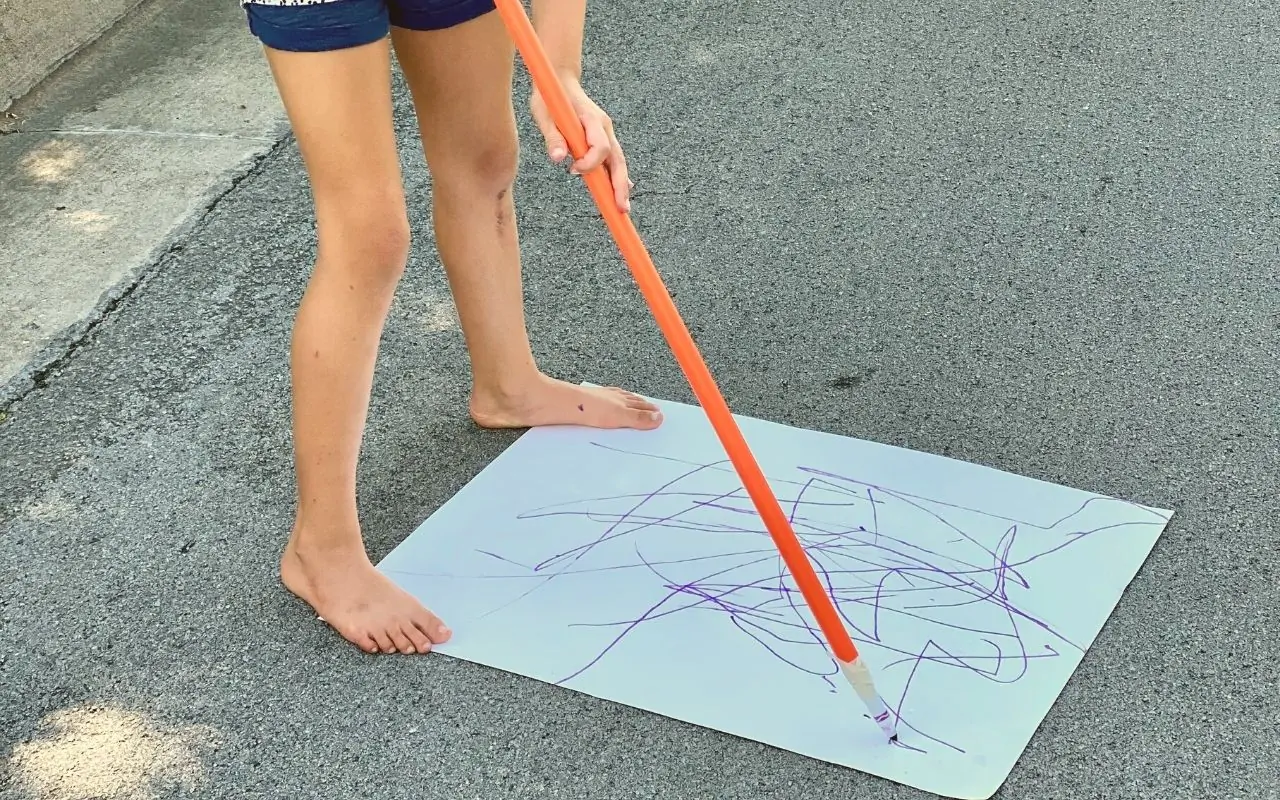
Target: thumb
{"type": "Point", "coordinates": [557, 149]}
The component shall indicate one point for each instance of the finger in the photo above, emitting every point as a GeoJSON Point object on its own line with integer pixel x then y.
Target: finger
{"type": "Point", "coordinates": [557, 148]}
{"type": "Point", "coordinates": [597, 146]}
{"type": "Point", "coordinates": [618, 174]}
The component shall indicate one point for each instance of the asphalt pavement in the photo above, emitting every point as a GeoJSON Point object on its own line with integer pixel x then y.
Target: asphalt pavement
{"type": "Point", "coordinates": [1043, 237]}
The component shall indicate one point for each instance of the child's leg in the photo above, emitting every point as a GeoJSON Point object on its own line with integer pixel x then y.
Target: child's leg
{"type": "Point", "coordinates": [461, 80]}
{"type": "Point", "coordinates": [339, 104]}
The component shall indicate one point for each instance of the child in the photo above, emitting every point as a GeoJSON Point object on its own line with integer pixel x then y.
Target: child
{"type": "Point", "coordinates": [331, 63]}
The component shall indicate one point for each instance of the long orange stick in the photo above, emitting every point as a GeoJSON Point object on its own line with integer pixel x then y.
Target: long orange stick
{"type": "Point", "coordinates": [690, 360]}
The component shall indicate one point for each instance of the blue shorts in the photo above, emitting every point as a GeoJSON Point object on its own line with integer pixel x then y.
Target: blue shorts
{"type": "Point", "coordinates": [312, 27]}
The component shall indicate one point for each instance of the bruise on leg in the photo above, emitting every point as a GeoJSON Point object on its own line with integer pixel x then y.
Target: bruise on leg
{"type": "Point", "coordinates": [503, 212]}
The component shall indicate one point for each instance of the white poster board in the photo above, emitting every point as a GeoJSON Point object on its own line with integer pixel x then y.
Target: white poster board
{"type": "Point", "coordinates": [632, 566]}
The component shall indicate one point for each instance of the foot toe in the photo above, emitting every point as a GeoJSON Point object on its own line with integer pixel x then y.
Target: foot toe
{"type": "Point", "coordinates": [645, 419]}
{"type": "Point", "coordinates": [401, 641]}
{"type": "Point", "coordinates": [358, 637]}
{"type": "Point", "coordinates": [640, 403]}
{"type": "Point", "coordinates": [432, 627]}
{"type": "Point", "coordinates": [421, 643]}
{"type": "Point", "coordinates": [383, 639]}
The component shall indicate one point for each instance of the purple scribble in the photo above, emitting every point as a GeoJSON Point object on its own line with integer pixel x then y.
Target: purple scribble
{"type": "Point", "coordinates": [878, 566]}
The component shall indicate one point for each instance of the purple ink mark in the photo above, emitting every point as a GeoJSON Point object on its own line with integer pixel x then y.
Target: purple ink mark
{"type": "Point", "coordinates": [856, 535]}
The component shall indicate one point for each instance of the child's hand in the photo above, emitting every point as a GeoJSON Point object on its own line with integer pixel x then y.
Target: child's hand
{"type": "Point", "coordinates": [603, 147]}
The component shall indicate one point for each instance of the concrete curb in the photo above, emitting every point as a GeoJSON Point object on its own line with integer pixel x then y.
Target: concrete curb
{"type": "Point", "coordinates": [69, 339]}
{"type": "Point", "coordinates": [101, 179]}
{"type": "Point", "coordinates": [38, 36]}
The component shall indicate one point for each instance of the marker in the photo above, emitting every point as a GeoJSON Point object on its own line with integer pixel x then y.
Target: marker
{"type": "Point", "coordinates": [695, 369]}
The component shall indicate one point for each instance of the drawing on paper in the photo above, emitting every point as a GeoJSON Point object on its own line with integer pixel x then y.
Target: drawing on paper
{"type": "Point", "coordinates": [943, 595]}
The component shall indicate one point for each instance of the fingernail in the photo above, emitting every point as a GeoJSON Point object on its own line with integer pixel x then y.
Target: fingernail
{"type": "Point", "coordinates": [655, 415]}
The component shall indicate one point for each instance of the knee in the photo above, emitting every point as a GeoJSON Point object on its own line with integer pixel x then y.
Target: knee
{"type": "Point", "coordinates": [496, 164]}
{"type": "Point", "coordinates": [385, 240]}
{"type": "Point", "coordinates": [487, 166]}
{"type": "Point", "coordinates": [368, 242]}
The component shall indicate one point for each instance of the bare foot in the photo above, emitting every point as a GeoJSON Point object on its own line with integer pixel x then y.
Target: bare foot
{"type": "Point", "coordinates": [547, 401]}
{"type": "Point", "coordinates": [362, 604]}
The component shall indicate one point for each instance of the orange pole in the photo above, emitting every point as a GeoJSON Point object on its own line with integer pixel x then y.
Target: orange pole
{"type": "Point", "coordinates": [686, 352]}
